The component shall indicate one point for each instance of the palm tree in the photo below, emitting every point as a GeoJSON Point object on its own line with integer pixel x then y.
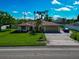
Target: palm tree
{"type": "Point", "coordinates": [38, 22]}
{"type": "Point", "coordinates": [78, 18]}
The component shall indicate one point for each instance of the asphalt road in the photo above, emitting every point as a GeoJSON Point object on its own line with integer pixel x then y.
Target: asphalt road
{"type": "Point", "coordinates": [38, 53]}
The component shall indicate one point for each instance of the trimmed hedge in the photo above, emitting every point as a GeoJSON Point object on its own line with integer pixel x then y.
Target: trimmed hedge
{"type": "Point", "coordinates": [75, 35]}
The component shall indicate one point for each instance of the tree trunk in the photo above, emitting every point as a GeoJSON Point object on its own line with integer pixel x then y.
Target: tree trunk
{"type": "Point", "coordinates": [0, 27]}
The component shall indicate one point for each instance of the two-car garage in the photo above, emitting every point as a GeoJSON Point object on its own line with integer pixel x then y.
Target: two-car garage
{"type": "Point", "coordinates": [50, 27]}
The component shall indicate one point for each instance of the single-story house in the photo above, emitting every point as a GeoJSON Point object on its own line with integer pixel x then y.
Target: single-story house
{"type": "Point", "coordinates": [46, 26]}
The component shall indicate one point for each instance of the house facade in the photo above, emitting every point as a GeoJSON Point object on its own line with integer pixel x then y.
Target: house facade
{"type": "Point", "coordinates": [26, 26]}
{"type": "Point", "coordinates": [47, 27]}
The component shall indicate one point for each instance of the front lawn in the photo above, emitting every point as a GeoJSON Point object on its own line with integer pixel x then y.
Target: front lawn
{"type": "Point", "coordinates": [75, 35]}
{"type": "Point", "coordinates": [20, 39]}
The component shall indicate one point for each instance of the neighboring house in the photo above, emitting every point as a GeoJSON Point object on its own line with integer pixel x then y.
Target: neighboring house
{"type": "Point", "coordinates": [4, 27]}
{"type": "Point", "coordinates": [45, 26]}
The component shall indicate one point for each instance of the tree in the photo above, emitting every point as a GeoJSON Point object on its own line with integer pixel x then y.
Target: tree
{"type": "Point", "coordinates": [50, 19]}
{"type": "Point", "coordinates": [63, 20]}
{"type": "Point", "coordinates": [6, 18]}
{"type": "Point", "coordinates": [78, 18]}
{"type": "Point", "coordinates": [46, 18]}
{"type": "Point", "coordinates": [21, 21]}
{"type": "Point", "coordinates": [38, 22]}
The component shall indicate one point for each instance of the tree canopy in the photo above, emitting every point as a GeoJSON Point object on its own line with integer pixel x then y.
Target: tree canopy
{"type": "Point", "coordinates": [6, 18]}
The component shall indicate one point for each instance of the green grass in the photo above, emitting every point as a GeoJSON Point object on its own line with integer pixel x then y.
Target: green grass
{"type": "Point", "coordinates": [62, 26]}
{"type": "Point", "coordinates": [20, 39]}
{"type": "Point", "coordinates": [75, 35]}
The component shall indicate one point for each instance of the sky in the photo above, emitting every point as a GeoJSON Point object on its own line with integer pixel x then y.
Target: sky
{"type": "Point", "coordinates": [56, 8]}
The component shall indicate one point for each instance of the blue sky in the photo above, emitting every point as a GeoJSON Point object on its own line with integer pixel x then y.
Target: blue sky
{"type": "Point", "coordinates": [57, 8]}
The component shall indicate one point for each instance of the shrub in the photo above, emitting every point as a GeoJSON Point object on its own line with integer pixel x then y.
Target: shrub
{"type": "Point", "coordinates": [75, 35]}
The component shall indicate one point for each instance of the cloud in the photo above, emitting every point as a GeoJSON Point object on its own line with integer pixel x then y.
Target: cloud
{"type": "Point", "coordinates": [72, 7]}
{"type": "Point", "coordinates": [38, 16]}
{"type": "Point", "coordinates": [76, 3]}
{"type": "Point", "coordinates": [69, 6]}
{"type": "Point", "coordinates": [27, 17]}
{"type": "Point", "coordinates": [55, 2]}
{"type": "Point", "coordinates": [56, 16]}
{"type": "Point", "coordinates": [15, 12]}
{"type": "Point", "coordinates": [63, 9]}
{"type": "Point", "coordinates": [29, 12]}
{"type": "Point", "coordinates": [76, 8]}
{"type": "Point", "coordinates": [26, 13]}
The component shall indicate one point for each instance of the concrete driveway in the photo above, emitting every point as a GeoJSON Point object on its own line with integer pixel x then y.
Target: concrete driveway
{"type": "Point", "coordinates": [60, 39]}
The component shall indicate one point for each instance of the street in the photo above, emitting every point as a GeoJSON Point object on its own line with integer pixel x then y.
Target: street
{"type": "Point", "coordinates": [39, 53]}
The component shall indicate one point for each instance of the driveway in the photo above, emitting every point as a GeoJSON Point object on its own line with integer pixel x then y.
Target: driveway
{"type": "Point", "coordinates": [60, 39]}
